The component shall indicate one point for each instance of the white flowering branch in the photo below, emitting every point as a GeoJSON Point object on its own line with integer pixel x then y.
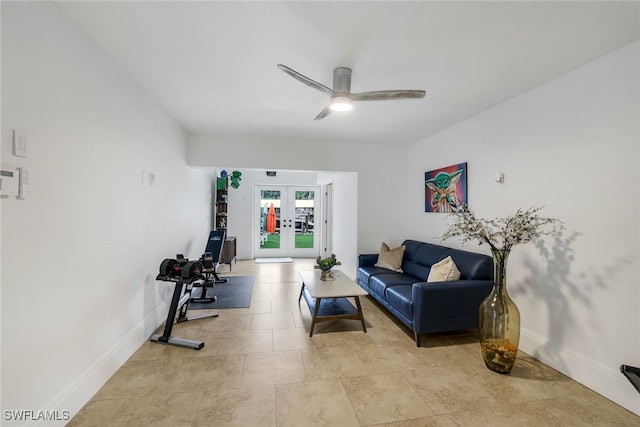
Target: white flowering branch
{"type": "Point", "coordinates": [501, 234]}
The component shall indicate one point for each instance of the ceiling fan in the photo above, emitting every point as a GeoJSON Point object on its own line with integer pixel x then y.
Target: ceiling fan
{"type": "Point", "coordinates": [341, 97]}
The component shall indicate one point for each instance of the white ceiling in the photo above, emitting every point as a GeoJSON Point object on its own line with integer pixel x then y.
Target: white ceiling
{"type": "Point", "coordinates": [212, 65]}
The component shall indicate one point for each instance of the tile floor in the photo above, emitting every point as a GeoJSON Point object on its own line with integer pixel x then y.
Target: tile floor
{"type": "Point", "coordinates": [260, 368]}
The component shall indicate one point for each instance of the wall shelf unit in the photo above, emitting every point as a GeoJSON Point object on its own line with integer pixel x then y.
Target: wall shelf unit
{"type": "Point", "coordinates": [222, 221]}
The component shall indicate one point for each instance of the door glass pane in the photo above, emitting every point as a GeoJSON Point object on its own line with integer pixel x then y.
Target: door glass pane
{"type": "Point", "coordinates": [269, 219]}
{"type": "Point", "coordinates": [304, 208]}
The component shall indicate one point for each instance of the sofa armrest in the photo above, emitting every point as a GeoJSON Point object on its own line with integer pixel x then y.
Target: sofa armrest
{"type": "Point", "coordinates": [448, 306]}
{"type": "Point", "coordinates": [367, 260]}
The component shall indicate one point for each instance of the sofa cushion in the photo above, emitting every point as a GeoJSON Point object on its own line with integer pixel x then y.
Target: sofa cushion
{"type": "Point", "coordinates": [390, 259]}
{"type": "Point", "coordinates": [400, 298]}
{"type": "Point", "coordinates": [444, 271]}
{"type": "Point", "coordinates": [472, 266]}
{"type": "Point", "coordinates": [365, 273]}
{"type": "Point", "coordinates": [419, 257]}
{"type": "Point", "coordinates": [381, 282]}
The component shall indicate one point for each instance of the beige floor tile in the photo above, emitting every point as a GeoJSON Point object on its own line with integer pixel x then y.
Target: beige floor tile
{"type": "Point", "coordinates": [447, 390]}
{"type": "Point", "coordinates": [150, 351]}
{"type": "Point", "coordinates": [97, 413]}
{"type": "Point", "coordinates": [261, 306]}
{"type": "Point", "coordinates": [338, 333]}
{"type": "Point", "coordinates": [272, 368]}
{"type": "Point", "coordinates": [377, 358]}
{"type": "Point", "coordinates": [252, 372]}
{"type": "Point", "coordinates": [261, 293]}
{"type": "Point", "coordinates": [227, 320]}
{"type": "Point", "coordinates": [302, 317]}
{"type": "Point", "coordinates": [383, 398]}
{"type": "Point", "coordinates": [294, 339]}
{"type": "Point", "coordinates": [207, 373]}
{"type": "Point", "coordinates": [285, 306]}
{"type": "Point", "coordinates": [579, 409]}
{"type": "Point", "coordinates": [138, 378]}
{"type": "Point", "coordinates": [332, 362]}
{"type": "Point", "coordinates": [243, 407]}
{"type": "Point", "coordinates": [143, 378]}
{"type": "Point", "coordinates": [262, 321]}
{"type": "Point", "coordinates": [168, 409]}
{"type": "Point", "coordinates": [529, 380]}
{"type": "Point", "coordinates": [315, 403]}
{"type": "Point", "coordinates": [246, 342]}
{"type": "Point", "coordinates": [492, 414]}
{"type": "Point", "coordinates": [439, 351]}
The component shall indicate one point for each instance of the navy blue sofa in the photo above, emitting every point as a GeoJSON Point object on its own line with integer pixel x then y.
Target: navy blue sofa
{"type": "Point", "coordinates": [435, 306]}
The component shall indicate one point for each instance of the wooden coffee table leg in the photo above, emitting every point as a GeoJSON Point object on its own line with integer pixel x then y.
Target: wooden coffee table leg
{"type": "Point", "coordinates": [316, 309]}
{"type": "Point", "coordinates": [364, 328]}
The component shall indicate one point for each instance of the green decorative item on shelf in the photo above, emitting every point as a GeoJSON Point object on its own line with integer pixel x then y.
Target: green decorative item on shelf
{"type": "Point", "coordinates": [499, 315]}
{"type": "Point", "coordinates": [226, 179]}
{"type": "Point", "coordinates": [221, 183]}
{"type": "Point", "coordinates": [235, 178]}
{"type": "Point", "coordinates": [325, 265]}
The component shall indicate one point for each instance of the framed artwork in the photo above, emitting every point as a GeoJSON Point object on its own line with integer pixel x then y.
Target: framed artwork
{"type": "Point", "coordinates": [445, 189]}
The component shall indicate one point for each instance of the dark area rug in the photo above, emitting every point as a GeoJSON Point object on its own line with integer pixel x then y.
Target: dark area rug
{"type": "Point", "coordinates": [236, 293]}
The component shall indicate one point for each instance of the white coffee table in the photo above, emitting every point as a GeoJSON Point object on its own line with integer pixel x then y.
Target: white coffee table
{"type": "Point", "coordinates": [327, 300]}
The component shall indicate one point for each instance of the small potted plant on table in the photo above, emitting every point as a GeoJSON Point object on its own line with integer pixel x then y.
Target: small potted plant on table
{"type": "Point", "coordinates": [325, 265]}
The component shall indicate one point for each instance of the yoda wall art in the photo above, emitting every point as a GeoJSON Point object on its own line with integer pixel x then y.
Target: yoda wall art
{"type": "Point", "coordinates": [445, 188]}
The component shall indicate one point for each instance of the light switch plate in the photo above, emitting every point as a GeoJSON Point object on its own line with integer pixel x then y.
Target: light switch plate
{"type": "Point", "coordinates": [19, 143]}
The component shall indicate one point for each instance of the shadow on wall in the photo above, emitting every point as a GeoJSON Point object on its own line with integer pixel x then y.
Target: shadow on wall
{"type": "Point", "coordinates": [550, 281]}
{"type": "Point", "coordinates": [188, 248]}
{"type": "Point", "coordinates": [150, 314]}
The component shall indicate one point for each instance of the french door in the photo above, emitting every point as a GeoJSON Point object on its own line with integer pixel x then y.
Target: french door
{"type": "Point", "coordinates": [287, 221]}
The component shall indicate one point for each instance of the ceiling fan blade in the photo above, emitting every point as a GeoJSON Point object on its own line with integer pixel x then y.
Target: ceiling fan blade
{"type": "Point", "coordinates": [382, 95]}
{"type": "Point", "coordinates": [306, 80]}
{"type": "Point", "coordinates": [324, 113]}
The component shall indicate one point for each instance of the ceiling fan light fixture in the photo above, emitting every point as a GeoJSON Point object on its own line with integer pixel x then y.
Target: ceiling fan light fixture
{"type": "Point", "coordinates": [341, 103]}
{"type": "Point", "coordinates": [341, 98]}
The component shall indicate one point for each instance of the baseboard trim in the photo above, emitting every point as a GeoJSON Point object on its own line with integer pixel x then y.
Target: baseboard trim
{"type": "Point", "coordinates": [602, 379]}
{"type": "Point", "coordinates": [73, 397]}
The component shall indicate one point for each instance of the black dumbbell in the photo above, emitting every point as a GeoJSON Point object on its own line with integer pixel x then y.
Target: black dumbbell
{"type": "Point", "coordinates": [170, 268]}
{"type": "Point", "coordinates": [192, 269]}
{"type": "Point", "coordinates": [207, 260]}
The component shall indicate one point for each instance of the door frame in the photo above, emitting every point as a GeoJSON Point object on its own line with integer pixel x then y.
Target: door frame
{"type": "Point", "coordinates": [327, 220]}
{"type": "Point", "coordinates": [287, 217]}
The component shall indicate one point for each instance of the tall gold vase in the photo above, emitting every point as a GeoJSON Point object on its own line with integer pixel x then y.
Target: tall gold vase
{"type": "Point", "coordinates": [499, 321]}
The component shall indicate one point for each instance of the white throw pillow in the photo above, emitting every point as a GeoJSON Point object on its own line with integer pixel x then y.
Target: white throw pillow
{"type": "Point", "coordinates": [444, 271]}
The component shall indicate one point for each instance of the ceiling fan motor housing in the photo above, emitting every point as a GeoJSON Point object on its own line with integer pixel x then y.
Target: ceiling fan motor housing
{"type": "Point", "coordinates": [342, 80]}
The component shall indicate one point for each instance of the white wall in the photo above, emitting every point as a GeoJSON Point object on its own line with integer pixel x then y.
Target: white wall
{"type": "Point", "coordinates": [80, 254]}
{"type": "Point", "coordinates": [346, 210]}
{"type": "Point", "coordinates": [571, 145]}
{"type": "Point", "coordinates": [377, 191]}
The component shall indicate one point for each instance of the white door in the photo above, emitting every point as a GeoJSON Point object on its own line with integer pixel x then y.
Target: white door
{"type": "Point", "coordinates": [287, 221]}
